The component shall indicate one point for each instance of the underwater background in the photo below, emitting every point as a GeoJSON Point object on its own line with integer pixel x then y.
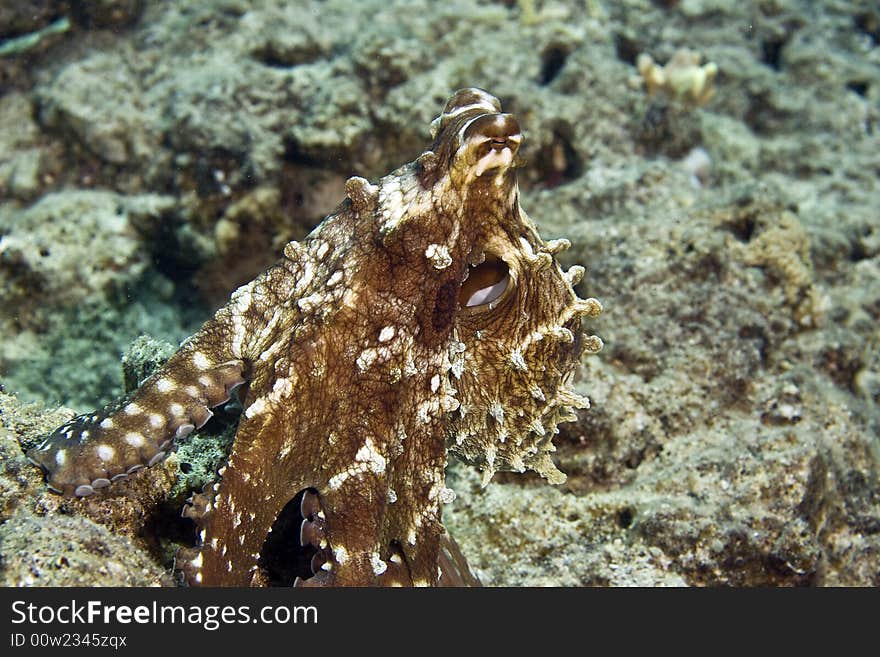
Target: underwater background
{"type": "Point", "coordinates": [715, 164]}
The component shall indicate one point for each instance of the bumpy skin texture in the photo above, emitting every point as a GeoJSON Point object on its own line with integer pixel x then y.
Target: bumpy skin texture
{"type": "Point", "coordinates": [425, 313]}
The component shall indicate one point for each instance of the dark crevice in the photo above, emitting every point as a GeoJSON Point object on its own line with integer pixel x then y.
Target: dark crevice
{"type": "Point", "coordinates": [164, 530]}
{"type": "Point", "coordinates": [764, 116]}
{"type": "Point", "coordinates": [275, 56]}
{"type": "Point", "coordinates": [744, 228]}
{"type": "Point", "coordinates": [635, 459]}
{"type": "Point", "coordinates": [859, 86]}
{"type": "Point", "coordinates": [868, 22]}
{"type": "Point", "coordinates": [294, 154]}
{"type": "Point", "coordinates": [558, 161]}
{"type": "Point", "coordinates": [552, 61]}
{"type": "Point", "coordinates": [626, 48]}
{"type": "Point", "coordinates": [270, 57]}
{"type": "Point", "coordinates": [756, 334]}
{"type": "Point", "coordinates": [625, 517]}
{"type": "Point", "coordinates": [858, 252]}
{"type": "Point", "coordinates": [282, 557]}
{"type": "Point", "coordinates": [771, 52]}
{"type": "Point", "coordinates": [171, 257]}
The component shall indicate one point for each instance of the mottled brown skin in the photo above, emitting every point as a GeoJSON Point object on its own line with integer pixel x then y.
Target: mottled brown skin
{"type": "Point", "coordinates": [425, 311]}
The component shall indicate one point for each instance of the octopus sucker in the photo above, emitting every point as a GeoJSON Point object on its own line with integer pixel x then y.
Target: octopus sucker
{"type": "Point", "coordinates": [424, 316]}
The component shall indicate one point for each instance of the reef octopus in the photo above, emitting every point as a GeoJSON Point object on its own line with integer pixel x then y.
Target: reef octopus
{"type": "Point", "coordinates": [425, 315]}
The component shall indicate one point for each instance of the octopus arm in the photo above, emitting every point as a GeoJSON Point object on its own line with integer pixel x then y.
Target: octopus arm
{"type": "Point", "coordinates": [237, 515]}
{"type": "Point", "coordinates": [93, 450]}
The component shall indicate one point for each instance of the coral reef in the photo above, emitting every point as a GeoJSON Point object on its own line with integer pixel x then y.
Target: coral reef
{"type": "Point", "coordinates": [44, 263]}
{"type": "Point", "coordinates": [734, 431]}
{"type": "Point", "coordinates": [683, 79]}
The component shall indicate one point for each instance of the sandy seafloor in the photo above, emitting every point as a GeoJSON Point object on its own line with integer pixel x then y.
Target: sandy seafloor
{"type": "Point", "coordinates": [154, 155]}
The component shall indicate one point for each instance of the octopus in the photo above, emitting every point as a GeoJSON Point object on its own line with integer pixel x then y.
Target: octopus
{"type": "Point", "coordinates": [424, 316]}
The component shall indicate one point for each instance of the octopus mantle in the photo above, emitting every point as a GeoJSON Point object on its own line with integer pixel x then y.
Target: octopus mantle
{"type": "Point", "coordinates": [424, 315]}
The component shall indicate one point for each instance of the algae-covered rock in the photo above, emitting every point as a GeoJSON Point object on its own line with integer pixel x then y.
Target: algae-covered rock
{"type": "Point", "coordinates": [60, 550]}
{"type": "Point", "coordinates": [74, 246]}
{"type": "Point", "coordinates": [25, 157]}
{"type": "Point", "coordinates": [731, 236]}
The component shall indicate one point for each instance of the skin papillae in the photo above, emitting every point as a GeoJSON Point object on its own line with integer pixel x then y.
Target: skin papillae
{"type": "Point", "coordinates": [425, 315]}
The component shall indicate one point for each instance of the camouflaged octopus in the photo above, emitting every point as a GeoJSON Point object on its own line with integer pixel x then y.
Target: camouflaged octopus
{"type": "Point", "coordinates": [424, 315]}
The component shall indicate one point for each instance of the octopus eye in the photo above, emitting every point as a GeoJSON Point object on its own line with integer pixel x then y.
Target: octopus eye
{"type": "Point", "coordinates": [485, 283]}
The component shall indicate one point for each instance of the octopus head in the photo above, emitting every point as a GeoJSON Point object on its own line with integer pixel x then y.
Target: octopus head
{"type": "Point", "coordinates": [516, 337]}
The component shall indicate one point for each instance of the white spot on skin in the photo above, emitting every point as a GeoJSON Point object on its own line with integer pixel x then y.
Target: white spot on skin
{"type": "Point", "coordinates": [310, 303]}
{"type": "Point", "coordinates": [517, 360]}
{"type": "Point", "coordinates": [107, 423]}
{"type": "Point", "coordinates": [457, 368]}
{"type": "Point", "coordinates": [423, 414]}
{"type": "Point", "coordinates": [335, 278]}
{"type": "Point", "coordinates": [435, 383]}
{"type": "Point", "coordinates": [105, 452]}
{"type": "Point", "coordinates": [259, 406]}
{"type": "Point", "coordinates": [370, 455]}
{"type": "Point", "coordinates": [132, 409]}
{"type": "Point", "coordinates": [176, 410]}
{"type": "Point", "coordinates": [164, 385]}
{"type": "Point", "coordinates": [449, 403]}
{"type": "Point", "coordinates": [322, 250]}
{"type": "Point", "coordinates": [386, 334]}
{"type": "Point", "coordinates": [337, 480]}
{"type": "Point", "coordinates": [156, 421]}
{"type": "Point", "coordinates": [340, 554]}
{"type": "Point", "coordinates": [439, 256]}
{"type": "Point", "coordinates": [379, 566]}
{"type": "Point", "coordinates": [60, 457]}
{"type": "Point", "coordinates": [367, 459]}
{"type": "Point", "coordinates": [282, 388]}
{"type": "Point", "coordinates": [447, 496]}
{"type": "Point", "coordinates": [366, 359]}
{"type": "Point", "coordinates": [497, 411]}
{"type": "Point", "coordinates": [134, 439]}
{"type": "Point", "coordinates": [200, 361]}
{"type": "Point", "coordinates": [240, 304]}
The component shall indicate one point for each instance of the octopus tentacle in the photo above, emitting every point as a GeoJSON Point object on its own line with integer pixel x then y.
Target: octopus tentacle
{"type": "Point", "coordinates": [94, 450]}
